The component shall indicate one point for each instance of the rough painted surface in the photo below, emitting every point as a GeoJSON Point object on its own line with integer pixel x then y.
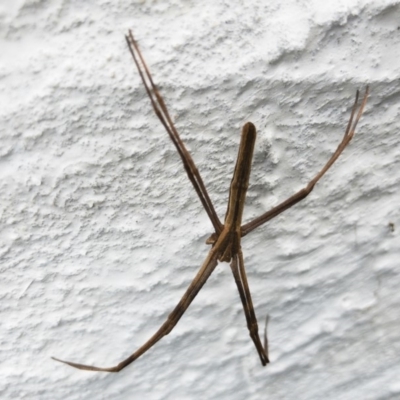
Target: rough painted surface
{"type": "Point", "coordinates": [101, 231]}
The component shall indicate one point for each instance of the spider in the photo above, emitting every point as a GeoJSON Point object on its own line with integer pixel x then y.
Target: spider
{"type": "Point", "coordinates": [226, 238]}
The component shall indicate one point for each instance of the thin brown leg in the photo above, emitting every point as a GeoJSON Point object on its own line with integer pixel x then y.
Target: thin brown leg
{"type": "Point", "coordinates": [239, 273]}
{"type": "Point", "coordinates": [205, 271]}
{"type": "Point", "coordinates": [265, 336]}
{"type": "Point", "coordinates": [300, 195]}
{"type": "Point", "coordinates": [162, 113]}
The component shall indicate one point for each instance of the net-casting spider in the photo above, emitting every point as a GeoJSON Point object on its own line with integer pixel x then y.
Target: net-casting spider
{"type": "Point", "coordinates": [225, 239]}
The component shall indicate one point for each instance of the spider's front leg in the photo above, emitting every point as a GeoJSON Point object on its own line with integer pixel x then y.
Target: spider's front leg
{"type": "Point", "coordinates": [239, 274]}
{"type": "Point", "coordinates": [200, 279]}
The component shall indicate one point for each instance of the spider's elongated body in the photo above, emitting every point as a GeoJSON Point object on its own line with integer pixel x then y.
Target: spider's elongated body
{"type": "Point", "coordinates": [226, 238]}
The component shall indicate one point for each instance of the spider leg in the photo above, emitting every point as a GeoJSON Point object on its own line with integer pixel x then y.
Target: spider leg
{"type": "Point", "coordinates": [162, 113]}
{"type": "Point", "coordinates": [205, 271]}
{"type": "Point", "coordinates": [265, 334]}
{"type": "Point", "coordinates": [239, 274]}
{"type": "Point", "coordinates": [300, 195]}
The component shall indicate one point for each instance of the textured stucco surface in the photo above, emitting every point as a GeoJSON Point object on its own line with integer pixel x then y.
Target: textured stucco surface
{"type": "Point", "coordinates": [101, 231]}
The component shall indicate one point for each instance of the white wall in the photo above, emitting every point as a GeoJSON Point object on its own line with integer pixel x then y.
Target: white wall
{"type": "Point", "coordinates": [101, 232]}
